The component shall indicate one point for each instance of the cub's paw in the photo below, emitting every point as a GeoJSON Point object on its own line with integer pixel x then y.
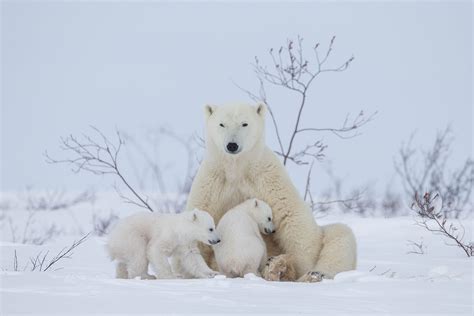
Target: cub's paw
{"type": "Point", "coordinates": [148, 277]}
{"type": "Point", "coordinates": [279, 268]}
{"type": "Point", "coordinates": [312, 277]}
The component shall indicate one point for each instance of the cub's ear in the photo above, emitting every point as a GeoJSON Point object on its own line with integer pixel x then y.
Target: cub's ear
{"type": "Point", "coordinates": [261, 109]}
{"type": "Point", "coordinates": [209, 110]}
{"type": "Point", "coordinates": [192, 216]}
{"type": "Point", "coordinates": [256, 203]}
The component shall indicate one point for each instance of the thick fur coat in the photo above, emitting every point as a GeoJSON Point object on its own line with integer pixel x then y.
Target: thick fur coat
{"type": "Point", "coordinates": [145, 238]}
{"type": "Point", "coordinates": [238, 166]}
{"type": "Point", "coordinates": [242, 249]}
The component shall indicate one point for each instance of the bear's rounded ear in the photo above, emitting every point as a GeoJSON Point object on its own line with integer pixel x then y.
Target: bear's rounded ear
{"type": "Point", "coordinates": [209, 110]}
{"type": "Point", "coordinates": [192, 216]}
{"type": "Point", "coordinates": [261, 109]}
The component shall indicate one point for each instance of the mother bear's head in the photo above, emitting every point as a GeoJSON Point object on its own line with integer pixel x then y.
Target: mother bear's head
{"type": "Point", "coordinates": [235, 129]}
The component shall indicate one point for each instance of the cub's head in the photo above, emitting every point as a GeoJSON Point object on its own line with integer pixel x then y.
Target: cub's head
{"type": "Point", "coordinates": [235, 129]}
{"type": "Point", "coordinates": [262, 214]}
{"type": "Point", "coordinates": [204, 229]}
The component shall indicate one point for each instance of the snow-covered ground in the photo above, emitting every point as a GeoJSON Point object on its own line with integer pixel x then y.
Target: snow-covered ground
{"type": "Point", "coordinates": [387, 280]}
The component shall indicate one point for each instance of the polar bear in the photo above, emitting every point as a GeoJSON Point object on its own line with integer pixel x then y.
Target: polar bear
{"type": "Point", "coordinates": [238, 166]}
{"type": "Point", "coordinates": [242, 249]}
{"type": "Point", "coordinates": [147, 237]}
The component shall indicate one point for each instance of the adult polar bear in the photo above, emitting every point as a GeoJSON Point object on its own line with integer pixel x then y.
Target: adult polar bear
{"type": "Point", "coordinates": [238, 166]}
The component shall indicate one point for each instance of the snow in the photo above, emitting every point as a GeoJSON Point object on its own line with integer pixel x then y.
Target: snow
{"type": "Point", "coordinates": [388, 280]}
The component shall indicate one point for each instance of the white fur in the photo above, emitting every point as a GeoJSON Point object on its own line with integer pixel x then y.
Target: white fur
{"type": "Point", "coordinates": [145, 237]}
{"type": "Point", "coordinates": [225, 180]}
{"type": "Point", "coordinates": [242, 249]}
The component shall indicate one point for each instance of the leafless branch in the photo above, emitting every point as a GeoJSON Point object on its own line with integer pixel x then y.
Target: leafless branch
{"type": "Point", "coordinates": [66, 252]}
{"type": "Point", "coordinates": [40, 261]}
{"type": "Point", "coordinates": [431, 174]}
{"type": "Point", "coordinates": [348, 125]}
{"type": "Point", "coordinates": [102, 224]}
{"type": "Point", "coordinates": [100, 157]}
{"type": "Point", "coordinates": [356, 201]}
{"type": "Point", "coordinates": [416, 247]}
{"type": "Point", "coordinates": [430, 216]}
{"type": "Point", "coordinates": [153, 167]}
{"type": "Point", "coordinates": [290, 68]}
{"type": "Point", "coordinates": [307, 190]}
{"type": "Point", "coordinates": [15, 262]}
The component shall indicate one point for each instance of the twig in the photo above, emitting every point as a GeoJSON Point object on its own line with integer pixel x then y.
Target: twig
{"type": "Point", "coordinates": [429, 211]}
{"type": "Point", "coordinates": [64, 253]}
{"type": "Point", "coordinates": [291, 70]}
{"type": "Point", "coordinates": [99, 157]}
{"type": "Point", "coordinates": [15, 262]}
{"type": "Point", "coordinates": [416, 247]}
{"type": "Point", "coordinates": [431, 175]}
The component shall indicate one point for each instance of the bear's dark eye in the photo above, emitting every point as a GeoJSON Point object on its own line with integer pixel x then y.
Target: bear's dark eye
{"type": "Point", "coordinates": [245, 124]}
{"type": "Point", "coordinates": [211, 229]}
{"type": "Point", "coordinates": [269, 219]}
{"type": "Point", "coordinates": [221, 125]}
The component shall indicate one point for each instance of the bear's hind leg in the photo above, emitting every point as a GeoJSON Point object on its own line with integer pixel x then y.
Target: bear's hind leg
{"type": "Point", "coordinates": [138, 267]}
{"type": "Point", "coordinates": [338, 253]}
{"type": "Point", "coordinates": [121, 270]}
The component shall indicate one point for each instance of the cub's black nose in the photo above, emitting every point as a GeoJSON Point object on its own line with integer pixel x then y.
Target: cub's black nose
{"type": "Point", "coordinates": [232, 147]}
{"type": "Point", "coordinates": [273, 231]}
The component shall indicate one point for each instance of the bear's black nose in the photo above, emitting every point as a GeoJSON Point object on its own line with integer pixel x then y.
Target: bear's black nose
{"type": "Point", "coordinates": [232, 147]}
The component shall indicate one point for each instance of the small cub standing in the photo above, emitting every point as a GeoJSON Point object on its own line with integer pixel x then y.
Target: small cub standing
{"type": "Point", "coordinates": [242, 249]}
{"type": "Point", "coordinates": [145, 237]}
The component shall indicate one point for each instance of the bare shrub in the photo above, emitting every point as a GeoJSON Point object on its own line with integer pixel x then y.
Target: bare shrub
{"type": "Point", "coordinates": [418, 248]}
{"type": "Point", "coordinates": [52, 200]}
{"type": "Point", "coordinates": [293, 69]}
{"type": "Point", "coordinates": [336, 197]}
{"type": "Point", "coordinates": [426, 171]}
{"type": "Point", "coordinates": [430, 215]}
{"type": "Point", "coordinates": [103, 224]}
{"type": "Point", "coordinates": [362, 200]}
{"type": "Point", "coordinates": [41, 262]}
{"type": "Point", "coordinates": [391, 203]}
{"type": "Point", "coordinates": [99, 155]}
{"type": "Point", "coordinates": [27, 234]}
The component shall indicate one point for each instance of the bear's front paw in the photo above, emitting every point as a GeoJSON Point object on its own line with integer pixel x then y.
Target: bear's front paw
{"type": "Point", "coordinates": [312, 277]}
{"type": "Point", "coordinates": [279, 268]}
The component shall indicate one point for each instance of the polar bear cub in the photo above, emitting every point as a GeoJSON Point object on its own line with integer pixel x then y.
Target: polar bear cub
{"type": "Point", "coordinates": [242, 249]}
{"type": "Point", "coordinates": [151, 238]}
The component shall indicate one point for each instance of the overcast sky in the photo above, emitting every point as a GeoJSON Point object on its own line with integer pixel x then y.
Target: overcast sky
{"type": "Point", "coordinates": [136, 67]}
